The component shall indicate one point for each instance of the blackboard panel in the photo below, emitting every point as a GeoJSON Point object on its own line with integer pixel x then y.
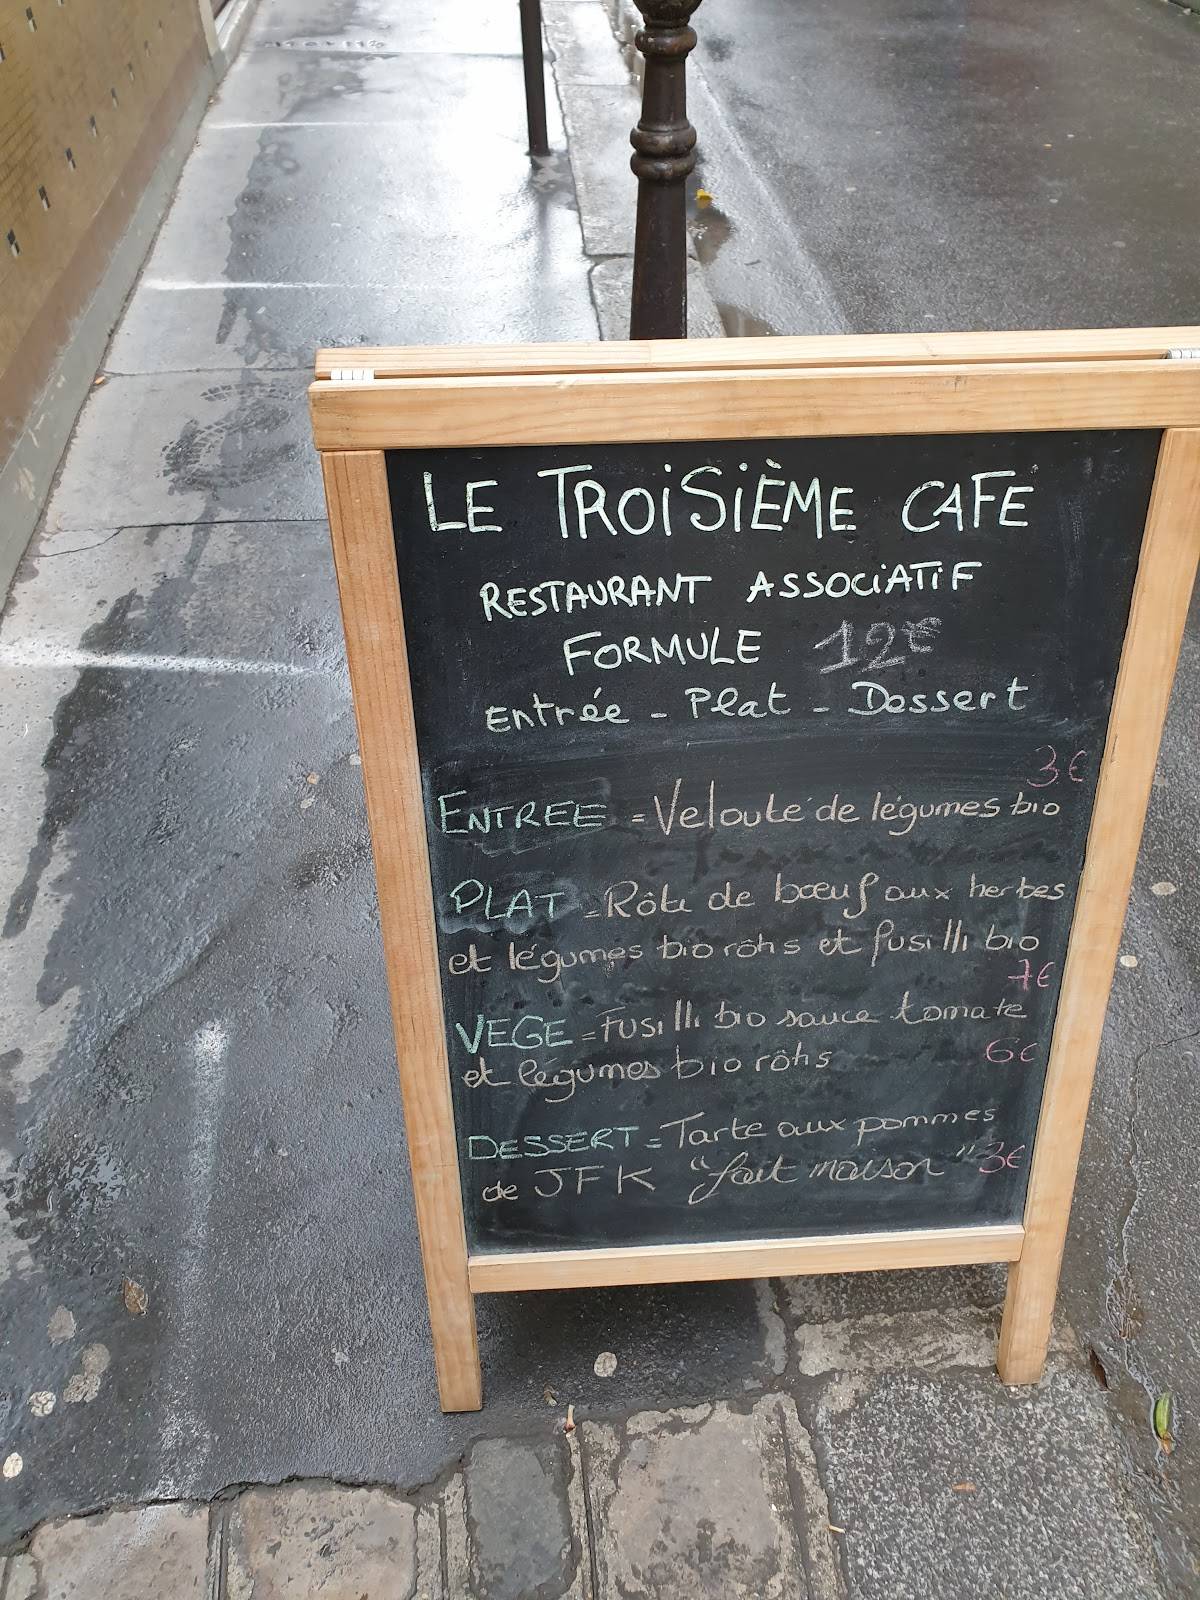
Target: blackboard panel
{"type": "Point", "coordinates": [855, 809]}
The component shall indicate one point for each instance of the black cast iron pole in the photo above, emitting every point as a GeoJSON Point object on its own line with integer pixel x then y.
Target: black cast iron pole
{"type": "Point", "coordinates": [535, 76]}
{"type": "Point", "coordinates": [664, 143]}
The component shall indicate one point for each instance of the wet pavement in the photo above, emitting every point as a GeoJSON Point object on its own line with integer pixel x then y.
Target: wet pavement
{"type": "Point", "coordinates": [198, 1073]}
{"type": "Point", "coordinates": [937, 166]}
{"type": "Point", "coordinates": [197, 1090]}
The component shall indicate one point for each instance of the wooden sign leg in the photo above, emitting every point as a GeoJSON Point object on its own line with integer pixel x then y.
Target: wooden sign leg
{"type": "Point", "coordinates": [452, 1324]}
{"type": "Point", "coordinates": [360, 525]}
{"type": "Point", "coordinates": [1156, 621]}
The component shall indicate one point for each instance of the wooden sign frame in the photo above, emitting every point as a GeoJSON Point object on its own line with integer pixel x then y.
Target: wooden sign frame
{"type": "Point", "coordinates": [365, 401]}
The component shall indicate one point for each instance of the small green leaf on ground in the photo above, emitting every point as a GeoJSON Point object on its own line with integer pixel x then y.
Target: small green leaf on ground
{"type": "Point", "coordinates": [1162, 1420]}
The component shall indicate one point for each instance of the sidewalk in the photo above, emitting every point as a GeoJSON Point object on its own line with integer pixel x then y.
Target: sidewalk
{"type": "Point", "coordinates": [929, 1480]}
{"type": "Point", "coordinates": [217, 1373]}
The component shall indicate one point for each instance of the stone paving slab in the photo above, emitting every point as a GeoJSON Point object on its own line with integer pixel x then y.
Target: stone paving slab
{"type": "Point", "coordinates": [321, 1541]}
{"type": "Point", "coordinates": [167, 448]}
{"type": "Point", "coordinates": [285, 623]}
{"type": "Point", "coordinates": [19, 1578]}
{"type": "Point", "coordinates": [479, 25]}
{"type": "Point", "coordinates": [598, 120]}
{"type": "Point", "coordinates": [585, 48]}
{"type": "Point", "coordinates": [698, 1503]}
{"type": "Point", "coordinates": [169, 329]}
{"type": "Point", "coordinates": [952, 1485]}
{"type": "Point", "coordinates": [332, 86]}
{"type": "Point", "coordinates": [151, 1553]}
{"type": "Point", "coordinates": [515, 1525]}
{"type": "Point", "coordinates": [395, 206]}
{"type": "Point", "coordinates": [944, 1482]}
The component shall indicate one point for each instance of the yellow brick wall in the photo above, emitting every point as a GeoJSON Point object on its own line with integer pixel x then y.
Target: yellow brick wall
{"type": "Point", "coordinates": [78, 81]}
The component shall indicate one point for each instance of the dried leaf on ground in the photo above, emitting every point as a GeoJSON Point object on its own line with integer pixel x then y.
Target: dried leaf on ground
{"type": "Point", "coordinates": [137, 1301]}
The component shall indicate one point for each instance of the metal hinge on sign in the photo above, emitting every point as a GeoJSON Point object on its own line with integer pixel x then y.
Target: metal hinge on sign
{"type": "Point", "coordinates": [1184, 352]}
{"type": "Point", "coordinates": [351, 374]}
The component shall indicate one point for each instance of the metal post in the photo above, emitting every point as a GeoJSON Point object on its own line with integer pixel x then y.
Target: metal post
{"type": "Point", "coordinates": [664, 143]}
{"type": "Point", "coordinates": [535, 76]}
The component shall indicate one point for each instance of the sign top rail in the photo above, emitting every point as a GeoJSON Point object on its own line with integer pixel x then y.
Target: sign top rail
{"type": "Point", "coordinates": [819, 350]}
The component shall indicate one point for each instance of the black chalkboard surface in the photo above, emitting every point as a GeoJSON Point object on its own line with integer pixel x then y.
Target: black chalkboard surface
{"type": "Point", "coordinates": [757, 780]}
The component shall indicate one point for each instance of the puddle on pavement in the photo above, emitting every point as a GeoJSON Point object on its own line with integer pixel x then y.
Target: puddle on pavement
{"type": "Point", "coordinates": [710, 229]}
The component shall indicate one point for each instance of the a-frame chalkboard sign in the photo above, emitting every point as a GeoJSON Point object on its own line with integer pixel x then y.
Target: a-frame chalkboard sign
{"type": "Point", "coordinates": [757, 736]}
